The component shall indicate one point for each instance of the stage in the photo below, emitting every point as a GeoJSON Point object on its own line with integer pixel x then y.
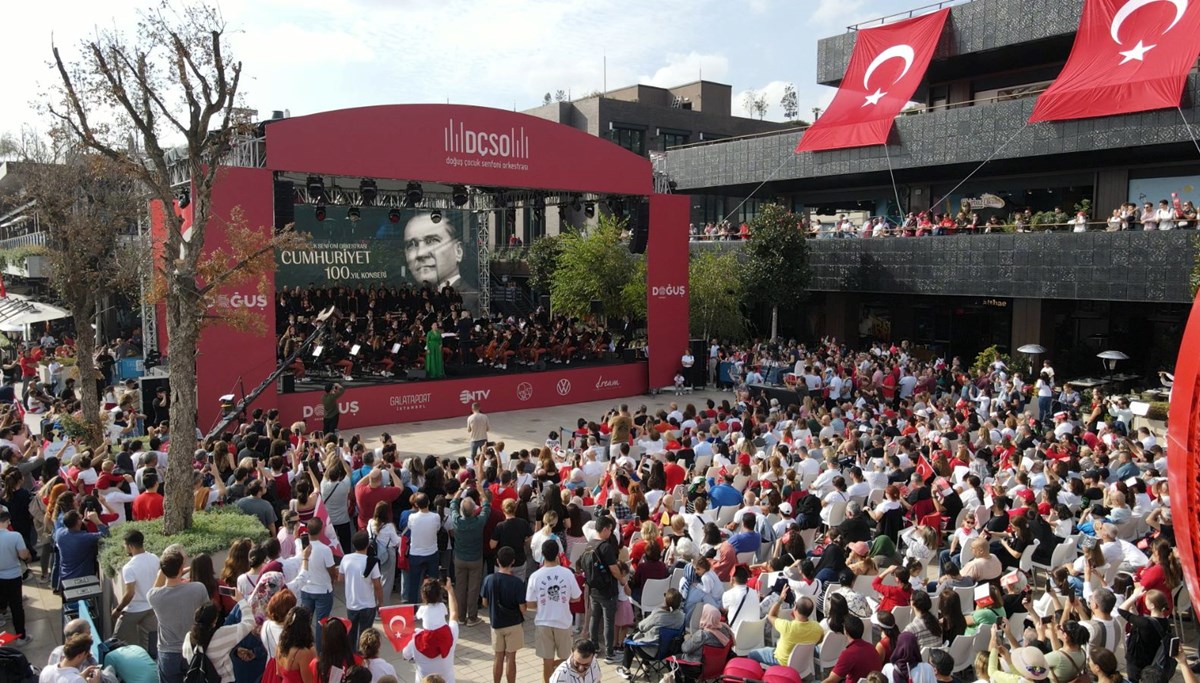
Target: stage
{"type": "Point", "coordinates": [380, 404]}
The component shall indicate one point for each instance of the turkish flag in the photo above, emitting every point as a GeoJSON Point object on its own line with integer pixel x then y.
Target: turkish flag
{"type": "Point", "coordinates": [885, 69]}
{"type": "Point", "coordinates": [924, 469]}
{"type": "Point", "coordinates": [1128, 56]}
{"type": "Point", "coordinates": [398, 624]}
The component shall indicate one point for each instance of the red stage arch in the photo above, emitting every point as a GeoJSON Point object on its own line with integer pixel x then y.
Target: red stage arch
{"type": "Point", "coordinates": [449, 144]}
{"type": "Point", "coordinates": [1183, 451]}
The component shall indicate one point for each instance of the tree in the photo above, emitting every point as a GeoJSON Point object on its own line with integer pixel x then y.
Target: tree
{"type": "Point", "coordinates": [547, 99]}
{"type": "Point", "coordinates": [560, 95]}
{"type": "Point", "coordinates": [130, 98]}
{"type": "Point", "coordinates": [596, 265]}
{"type": "Point", "coordinates": [89, 206]}
{"type": "Point", "coordinates": [543, 261]}
{"type": "Point", "coordinates": [817, 111]}
{"type": "Point", "coordinates": [775, 263]}
{"type": "Point", "coordinates": [750, 102]}
{"type": "Point", "coordinates": [715, 294]}
{"type": "Point", "coordinates": [789, 103]}
{"type": "Point", "coordinates": [760, 105]}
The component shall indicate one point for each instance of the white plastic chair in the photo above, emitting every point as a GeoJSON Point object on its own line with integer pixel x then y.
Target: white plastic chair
{"type": "Point", "coordinates": [966, 596]}
{"type": "Point", "coordinates": [749, 636]}
{"type": "Point", "coordinates": [962, 651]}
{"type": "Point", "coordinates": [801, 660]}
{"type": "Point", "coordinates": [1026, 562]}
{"type": "Point", "coordinates": [837, 513]}
{"type": "Point", "coordinates": [654, 593]}
{"type": "Point", "coordinates": [831, 648]}
{"type": "Point", "coordinates": [746, 557]}
{"type": "Point", "coordinates": [903, 616]}
{"type": "Point", "coordinates": [1066, 551]}
{"type": "Point", "coordinates": [725, 515]}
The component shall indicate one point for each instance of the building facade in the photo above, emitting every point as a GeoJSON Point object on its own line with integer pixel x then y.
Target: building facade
{"type": "Point", "coordinates": [1076, 294]}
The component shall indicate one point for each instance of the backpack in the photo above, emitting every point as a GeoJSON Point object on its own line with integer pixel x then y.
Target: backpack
{"type": "Point", "coordinates": [595, 574]}
{"type": "Point", "coordinates": [808, 512]}
{"type": "Point", "coordinates": [14, 667]}
{"type": "Point", "coordinates": [200, 668]}
{"type": "Point", "coordinates": [372, 553]}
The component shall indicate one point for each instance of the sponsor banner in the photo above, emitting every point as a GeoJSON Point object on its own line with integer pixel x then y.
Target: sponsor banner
{"type": "Point", "coordinates": [416, 401]}
{"type": "Point", "coordinates": [667, 286]}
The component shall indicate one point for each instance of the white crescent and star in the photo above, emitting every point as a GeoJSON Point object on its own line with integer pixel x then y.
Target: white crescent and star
{"type": "Point", "coordinates": [393, 620]}
{"type": "Point", "coordinates": [904, 52]}
{"type": "Point", "coordinates": [1138, 52]}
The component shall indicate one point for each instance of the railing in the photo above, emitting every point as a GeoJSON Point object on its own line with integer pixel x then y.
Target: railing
{"type": "Point", "coordinates": [893, 231]}
{"type": "Point", "coordinates": [510, 253]}
{"type": "Point", "coordinates": [31, 240]}
{"type": "Point", "coordinates": [909, 14]}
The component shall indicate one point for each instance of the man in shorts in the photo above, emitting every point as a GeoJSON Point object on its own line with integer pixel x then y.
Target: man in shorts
{"type": "Point", "coordinates": [550, 591]}
{"type": "Point", "coordinates": [504, 596]}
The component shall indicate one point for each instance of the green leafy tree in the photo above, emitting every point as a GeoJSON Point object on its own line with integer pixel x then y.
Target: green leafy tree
{"type": "Point", "coordinates": [543, 261]}
{"type": "Point", "coordinates": [775, 267]}
{"type": "Point", "coordinates": [715, 295]}
{"type": "Point", "coordinates": [789, 103]}
{"type": "Point", "coordinates": [595, 265]}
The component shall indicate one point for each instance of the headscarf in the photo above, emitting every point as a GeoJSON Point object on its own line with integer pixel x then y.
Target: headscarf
{"type": "Point", "coordinates": [711, 623]}
{"type": "Point", "coordinates": [268, 585]}
{"type": "Point", "coordinates": [906, 655]}
{"type": "Point", "coordinates": [882, 546]}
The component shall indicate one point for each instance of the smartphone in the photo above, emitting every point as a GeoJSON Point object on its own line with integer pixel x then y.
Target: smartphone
{"type": "Point", "coordinates": [304, 541]}
{"type": "Point", "coordinates": [225, 590]}
{"type": "Point", "coordinates": [443, 575]}
{"type": "Point", "coordinates": [1173, 647]}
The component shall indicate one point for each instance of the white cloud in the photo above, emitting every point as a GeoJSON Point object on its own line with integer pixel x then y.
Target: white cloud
{"type": "Point", "coordinates": [759, 6]}
{"type": "Point", "coordinates": [839, 13]}
{"type": "Point", "coordinates": [685, 68]}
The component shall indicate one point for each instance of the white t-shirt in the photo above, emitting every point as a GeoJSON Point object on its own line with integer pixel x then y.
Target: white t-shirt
{"type": "Point", "coordinates": [552, 589]}
{"type": "Point", "coordinates": [733, 597]}
{"type": "Point", "coordinates": [141, 570]}
{"type": "Point", "coordinates": [360, 590]}
{"type": "Point", "coordinates": [379, 668]}
{"type": "Point", "coordinates": [423, 527]}
{"type": "Point", "coordinates": [319, 562]}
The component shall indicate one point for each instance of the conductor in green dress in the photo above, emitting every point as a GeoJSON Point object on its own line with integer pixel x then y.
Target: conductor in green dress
{"type": "Point", "coordinates": [433, 353]}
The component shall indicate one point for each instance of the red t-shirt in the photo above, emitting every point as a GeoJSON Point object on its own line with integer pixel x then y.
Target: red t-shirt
{"type": "Point", "coordinates": [676, 475]}
{"type": "Point", "coordinates": [501, 494]}
{"type": "Point", "coordinates": [147, 505]}
{"type": "Point", "coordinates": [857, 661]}
{"type": "Point", "coordinates": [368, 498]}
{"type": "Point", "coordinates": [28, 365]}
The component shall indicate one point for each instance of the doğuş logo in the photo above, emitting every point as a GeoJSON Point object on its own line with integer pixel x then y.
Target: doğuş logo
{"type": "Point", "coordinates": [347, 408]}
{"type": "Point", "coordinates": [242, 300]}
{"type": "Point", "coordinates": [563, 387]}
{"type": "Point", "coordinates": [468, 396]}
{"type": "Point", "coordinates": [461, 140]}
{"type": "Point", "coordinates": [668, 290]}
{"type": "Point", "coordinates": [524, 391]}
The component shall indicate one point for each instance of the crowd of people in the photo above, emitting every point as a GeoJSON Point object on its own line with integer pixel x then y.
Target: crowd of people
{"type": "Point", "coordinates": [1129, 216]}
{"type": "Point", "coordinates": [386, 332]}
{"type": "Point", "coordinates": [904, 518]}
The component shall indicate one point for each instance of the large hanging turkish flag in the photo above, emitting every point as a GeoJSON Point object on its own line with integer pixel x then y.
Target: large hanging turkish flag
{"type": "Point", "coordinates": [1129, 56]}
{"type": "Point", "coordinates": [885, 69]}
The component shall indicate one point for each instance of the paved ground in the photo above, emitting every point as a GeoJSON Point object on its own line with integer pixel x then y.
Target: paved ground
{"type": "Point", "coordinates": [518, 429]}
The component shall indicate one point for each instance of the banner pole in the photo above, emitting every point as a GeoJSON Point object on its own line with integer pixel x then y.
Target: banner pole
{"type": "Point", "coordinates": [981, 165]}
{"type": "Point", "coordinates": [895, 189]}
{"type": "Point", "coordinates": [1188, 125]}
{"type": "Point", "coordinates": [755, 190]}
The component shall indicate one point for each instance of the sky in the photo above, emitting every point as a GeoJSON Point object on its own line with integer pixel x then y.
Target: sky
{"type": "Point", "coordinates": [307, 56]}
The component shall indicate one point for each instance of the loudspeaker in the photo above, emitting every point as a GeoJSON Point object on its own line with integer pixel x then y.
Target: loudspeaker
{"type": "Point", "coordinates": [639, 227]}
{"type": "Point", "coordinates": [416, 373]}
{"type": "Point", "coordinates": [629, 355]}
{"type": "Point", "coordinates": [287, 383]}
{"type": "Point", "coordinates": [285, 203]}
{"type": "Point", "coordinates": [699, 374]}
{"type": "Point", "coordinates": [597, 307]}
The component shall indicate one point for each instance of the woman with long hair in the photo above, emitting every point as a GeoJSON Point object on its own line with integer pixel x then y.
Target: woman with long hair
{"type": "Point", "coordinates": [1164, 573]}
{"type": "Point", "coordinates": [951, 620]}
{"type": "Point", "coordinates": [387, 540]}
{"type": "Point", "coordinates": [237, 562]}
{"type": "Point", "coordinates": [215, 640]}
{"type": "Point", "coordinates": [17, 500]}
{"type": "Point", "coordinates": [204, 573]}
{"type": "Point", "coordinates": [336, 654]}
{"type": "Point", "coordinates": [276, 613]}
{"type": "Point", "coordinates": [889, 633]}
{"type": "Point", "coordinates": [924, 625]}
{"type": "Point", "coordinates": [296, 651]}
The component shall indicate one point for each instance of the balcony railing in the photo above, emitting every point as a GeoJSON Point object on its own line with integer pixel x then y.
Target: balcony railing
{"type": "Point", "coordinates": [907, 14]}
{"type": "Point", "coordinates": [30, 240]}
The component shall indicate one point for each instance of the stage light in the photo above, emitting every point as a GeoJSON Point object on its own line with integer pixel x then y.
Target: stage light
{"type": "Point", "coordinates": [394, 216]}
{"type": "Point", "coordinates": [185, 197]}
{"type": "Point", "coordinates": [316, 187]}
{"type": "Point", "coordinates": [354, 214]}
{"type": "Point", "coordinates": [368, 191]}
{"type": "Point", "coordinates": [413, 194]}
{"type": "Point", "coordinates": [459, 195]}
{"type": "Point", "coordinates": [435, 216]}
{"type": "Point", "coordinates": [589, 209]}
{"type": "Point", "coordinates": [319, 212]}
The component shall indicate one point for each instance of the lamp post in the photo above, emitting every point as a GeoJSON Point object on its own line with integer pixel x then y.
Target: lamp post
{"type": "Point", "coordinates": [1032, 350]}
{"type": "Point", "coordinates": [1109, 360]}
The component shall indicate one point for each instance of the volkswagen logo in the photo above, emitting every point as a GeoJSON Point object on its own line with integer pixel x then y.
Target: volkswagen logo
{"type": "Point", "coordinates": [524, 391]}
{"type": "Point", "coordinates": [563, 387]}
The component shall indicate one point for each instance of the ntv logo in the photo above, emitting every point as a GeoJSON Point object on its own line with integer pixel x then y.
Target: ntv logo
{"type": "Point", "coordinates": [459, 139]}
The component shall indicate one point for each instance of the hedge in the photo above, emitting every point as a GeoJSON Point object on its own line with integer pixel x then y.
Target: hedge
{"type": "Point", "coordinates": [212, 531]}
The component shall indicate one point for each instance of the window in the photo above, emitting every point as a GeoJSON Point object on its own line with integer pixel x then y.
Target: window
{"type": "Point", "coordinates": [632, 139]}
{"type": "Point", "coordinates": [670, 140]}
